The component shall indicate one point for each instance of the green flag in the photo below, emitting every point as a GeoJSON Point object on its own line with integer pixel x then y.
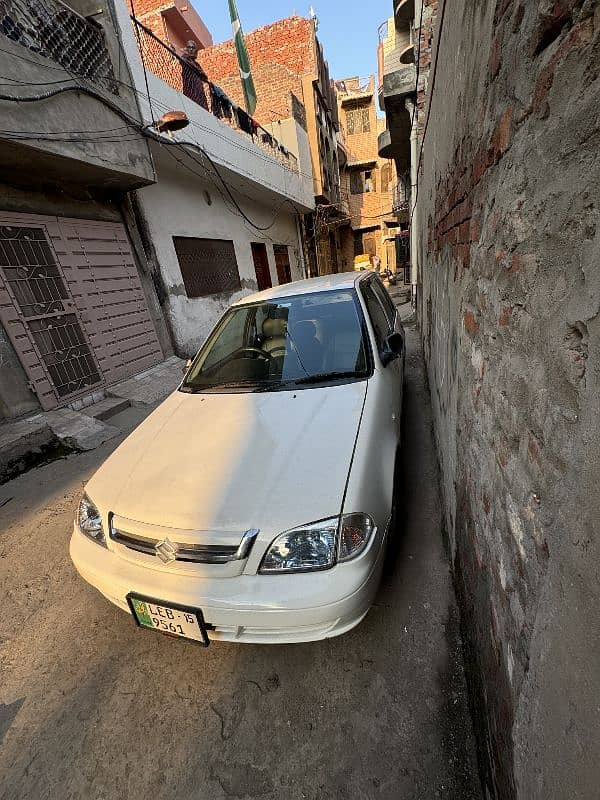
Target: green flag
{"type": "Point", "coordinates": [243, 60]}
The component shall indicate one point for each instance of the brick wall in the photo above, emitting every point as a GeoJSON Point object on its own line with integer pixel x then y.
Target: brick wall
{"type": "Point", "coordinates": [360, 146]}
{"type": "Point", "coordinates": [510, 309]}
{"type": "Point", "coordinates": [148, 13]}
{"type": "Point", "coordinates": [367, 210]}
{"type": "Point", "coordinates": [279, 55]}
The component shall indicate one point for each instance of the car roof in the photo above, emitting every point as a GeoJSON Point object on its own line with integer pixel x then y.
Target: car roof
{"type": "Point", "coordinates": [325, 283]}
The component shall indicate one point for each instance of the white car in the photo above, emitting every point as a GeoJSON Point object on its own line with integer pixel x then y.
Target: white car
{"type": "Point", "coordinates": [254, 504]}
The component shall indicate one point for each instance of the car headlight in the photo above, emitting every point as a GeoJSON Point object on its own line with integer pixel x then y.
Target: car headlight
{"type": "Point", "coordinates": [89, 521]}
{"type": "Point", "coordinates": [355, 532]}
{"type": "Point", "coordinates": [309, 547]}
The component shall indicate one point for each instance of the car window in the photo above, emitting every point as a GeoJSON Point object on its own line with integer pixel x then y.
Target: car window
{"type": "Point", "coordinates": [302, 340]}
{"type": "Point", "coordinates": [385, 300]}
{"type": "Point", "coordinates": [232, 336]}
{"type": "Point", "coordinates": [377, 315]}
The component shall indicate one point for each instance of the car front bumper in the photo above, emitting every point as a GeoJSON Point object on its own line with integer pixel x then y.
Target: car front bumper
{"type": "Point", "coordinates": [246, 608]}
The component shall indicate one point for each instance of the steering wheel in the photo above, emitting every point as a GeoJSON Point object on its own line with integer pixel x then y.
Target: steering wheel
{"type": "Point", "coordinates": [260, 353]}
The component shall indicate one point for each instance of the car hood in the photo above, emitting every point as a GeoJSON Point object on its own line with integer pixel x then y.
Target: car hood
{"type": "Point", "coordinates": [229, 462]}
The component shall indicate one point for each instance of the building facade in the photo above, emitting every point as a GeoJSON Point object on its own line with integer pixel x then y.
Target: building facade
{"type": "Point", "coordinates": [367, 177]}
{"type": "Point", "coordinates": [78, 307]}
{"type": "Point", "coordinates": [404, 60]}
{"type": "Point", "coordinates": [222, 219]}
{"type": "Point", "coordinates": [297, 104]}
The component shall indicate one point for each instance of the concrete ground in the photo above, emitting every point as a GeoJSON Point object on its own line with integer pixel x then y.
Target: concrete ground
{"type": "Point", "coordinates": [92, 707]}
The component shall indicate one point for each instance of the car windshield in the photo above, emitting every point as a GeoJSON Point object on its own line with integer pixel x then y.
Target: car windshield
{"type": "Point", "coordinates": [289, 341]}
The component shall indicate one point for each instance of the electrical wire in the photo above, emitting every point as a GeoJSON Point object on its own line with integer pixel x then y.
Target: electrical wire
{"type": "Point", "coordinates": [133, 123]}
{"type": "Point", "coordinates": [155, 101]}
{"type": "Point", "coordinates": [207, 174]}
{"type": "Point", "coordinates": [141, 49]}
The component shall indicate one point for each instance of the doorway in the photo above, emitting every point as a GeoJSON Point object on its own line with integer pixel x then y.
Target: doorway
{"type": "Point", "coordinates": [282, 263]}
{"type": "Point", "coordinates": [261, 266]}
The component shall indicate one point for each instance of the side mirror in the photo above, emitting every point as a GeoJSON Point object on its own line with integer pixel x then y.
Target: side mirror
{"type": "Point", "coordinates": [188, 364]}
{"type": "Point", "coordinates": [394, 346]}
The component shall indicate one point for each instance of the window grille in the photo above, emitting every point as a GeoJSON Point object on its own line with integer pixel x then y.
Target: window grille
{"type": "Point", "coordinates": [54, 31]}
{"type": "Point", "coordinates": [358, 120]}
{"type": "Point", "coordinates": [208, 266]}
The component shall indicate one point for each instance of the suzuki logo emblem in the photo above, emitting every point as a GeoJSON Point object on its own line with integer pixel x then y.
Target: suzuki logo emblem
{"type": "Point", "coordinates": [166, 551]}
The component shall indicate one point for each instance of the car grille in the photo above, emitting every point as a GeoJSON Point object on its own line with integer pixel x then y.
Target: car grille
{"type": "Point", "coordinates": [195, 553]}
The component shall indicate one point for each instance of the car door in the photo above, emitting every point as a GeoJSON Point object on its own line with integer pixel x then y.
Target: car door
{"type": "Point", "coordinates": [395, 323]}
{"type": "Point", "coordinates": [384, 320]}
{"type": "Point", "coordinates": [371, 479]}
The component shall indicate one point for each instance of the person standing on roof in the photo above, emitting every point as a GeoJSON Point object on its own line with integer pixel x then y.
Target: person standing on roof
{"type": "Point", "coordinates": [193, 76]}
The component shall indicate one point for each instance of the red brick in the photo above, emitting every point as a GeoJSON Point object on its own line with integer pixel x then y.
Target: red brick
{"type": "Point", "coordinates": [474, 230]}
{"type": "Point", "coordinates": [579, 36]}
{"type": "Point", "coordinates": [486, 504]}
{"type": "Point", "coordinates": [470, 323]}
{"type": "Point", "coordinates": [550, 24]}
{"type": "Point", "coordinates": [279, 53]}
{"type": "Point", "coordinates": [505, 316]}
{"type": "Point", "coordinates": [501, 135]}
{"type": "Point", "coordinates": [464, 255]}
{"type": "Point", "coordinates": [515, 264]}
{"type": "Point", "coordinates": [495, 60]}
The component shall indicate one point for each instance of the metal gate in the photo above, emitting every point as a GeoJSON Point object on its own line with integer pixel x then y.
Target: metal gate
{"type": "Point", "coordinates": [72, 303]}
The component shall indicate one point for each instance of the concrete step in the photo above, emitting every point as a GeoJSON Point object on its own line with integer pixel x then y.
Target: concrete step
{"type": "Point", "coordinates": [77, 430]}
{"type": "Point", "coordinates": [106, 408]}
{"type": "Point", "coordinates": [152, 386]}
{"type": "Point", "coordinates": [24, 444]}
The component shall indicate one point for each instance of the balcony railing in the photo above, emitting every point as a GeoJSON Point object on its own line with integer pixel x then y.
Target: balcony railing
{"type": "Point", "coordinates": [53, 30]}
{"type": "Point", "coordinates": [187, 77]}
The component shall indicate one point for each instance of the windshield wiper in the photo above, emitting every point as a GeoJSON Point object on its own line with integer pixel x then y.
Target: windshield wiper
{"type": "Point", "coordinates": [258, 385]}
{"type": "Point", "coordinates": [330, 376]}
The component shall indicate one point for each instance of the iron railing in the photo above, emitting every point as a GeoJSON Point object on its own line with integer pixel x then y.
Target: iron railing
{"type": "Point", "coordinates": [187, 77]}
{"type": "Point", "coordinates": [53, 30]}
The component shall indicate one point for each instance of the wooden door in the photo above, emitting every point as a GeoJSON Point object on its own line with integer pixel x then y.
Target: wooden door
{"type": "Point", "coordinates": [261, 266]}
{"type": "Point", "coordinates": [282, 263]}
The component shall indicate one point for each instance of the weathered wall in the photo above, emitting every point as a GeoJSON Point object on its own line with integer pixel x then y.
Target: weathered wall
{"type": "Point", "coordinates": [510, 308]}
{"type": "Point", "coordinates": [101, 149]}
{"type": "Point", "coordinates": [183, 204]}
{"type": "Point", "coordinates": [16, 397]}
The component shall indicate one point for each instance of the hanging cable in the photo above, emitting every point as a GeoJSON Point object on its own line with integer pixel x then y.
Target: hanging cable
{"type": "Point", "coordinates": [140, 48]}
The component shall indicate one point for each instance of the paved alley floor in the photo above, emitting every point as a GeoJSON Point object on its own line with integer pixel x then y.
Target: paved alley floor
{"type": "Point", "coordinates": [92, 707]}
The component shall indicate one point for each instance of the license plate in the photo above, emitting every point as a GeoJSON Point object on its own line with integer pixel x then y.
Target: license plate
{"type": "Point", "coordinates": [173, 620]}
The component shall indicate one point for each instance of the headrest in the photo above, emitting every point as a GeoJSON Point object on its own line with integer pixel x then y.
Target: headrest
{"type": "Point", "coordinates": [274, 327]}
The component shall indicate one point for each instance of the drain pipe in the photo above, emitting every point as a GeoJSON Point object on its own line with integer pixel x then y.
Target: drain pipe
{"type": "Point", "coordinates": [414, 177]}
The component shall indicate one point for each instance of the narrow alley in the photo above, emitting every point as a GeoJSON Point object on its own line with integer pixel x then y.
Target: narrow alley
{"type": "Point", "coordinates": [299, 366]}
{"type": "Point", "coordinates": [91, 706]}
